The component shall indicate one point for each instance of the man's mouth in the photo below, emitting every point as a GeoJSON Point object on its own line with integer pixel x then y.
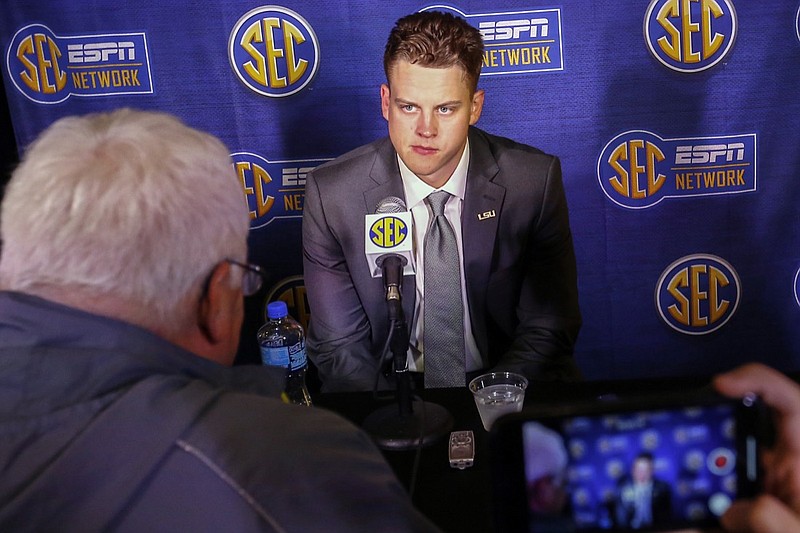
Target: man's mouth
{"type": "Point", "coordinates": [424, 150]}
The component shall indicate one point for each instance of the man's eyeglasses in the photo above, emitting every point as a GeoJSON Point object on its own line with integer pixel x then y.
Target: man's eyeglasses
{"type": "Point", "coordinates": [253, 277]}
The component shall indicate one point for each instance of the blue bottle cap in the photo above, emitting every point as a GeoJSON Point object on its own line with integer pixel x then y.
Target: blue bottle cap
{"type": "Point", "coordinates": [277, 310]}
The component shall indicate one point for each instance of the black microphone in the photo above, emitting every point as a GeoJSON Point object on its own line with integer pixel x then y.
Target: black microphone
{"type": "Point", "coordinates": [389, 251]}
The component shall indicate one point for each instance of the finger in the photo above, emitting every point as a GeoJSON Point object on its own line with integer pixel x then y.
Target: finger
{"type": "Point", "coordinates": [783, 481]}
{"type": "Point", "coordinates": [764, 514]}
{"type": "Point", "coordinates": [776, 389]}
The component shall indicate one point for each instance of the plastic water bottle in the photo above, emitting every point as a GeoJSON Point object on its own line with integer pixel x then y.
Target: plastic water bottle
{"type": "Point", "coordinates": [283, 343]}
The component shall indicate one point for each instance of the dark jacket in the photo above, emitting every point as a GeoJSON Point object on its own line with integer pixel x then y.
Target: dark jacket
{"type": "Point", "coordinates": [106, 426]}
{"type": "Point", "coordinates": [660, 504]}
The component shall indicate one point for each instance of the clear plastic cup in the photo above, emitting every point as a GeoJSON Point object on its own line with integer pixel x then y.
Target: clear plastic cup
{"type": "Point", "coordinates": [496, 394]}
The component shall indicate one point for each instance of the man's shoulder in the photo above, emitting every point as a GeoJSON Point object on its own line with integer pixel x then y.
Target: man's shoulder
{"type": "Point", "coordinates": [500, 145]}
{"type": "Point", "coordinates": [511, 164]}
{"type": "Point", "coordinates": [508, 154]}
{"type": "Point", "coordinates": [359, 158]}
{"type": "Point", "coordinates": [257, 436]}
{"type": "Point", "coordinates": [270, 419]}
{"type": "Point", "coordinates": [274, 455]}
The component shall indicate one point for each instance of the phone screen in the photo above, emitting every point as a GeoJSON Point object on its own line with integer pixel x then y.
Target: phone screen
{"type": "Point", "coordinates": [637, 469]}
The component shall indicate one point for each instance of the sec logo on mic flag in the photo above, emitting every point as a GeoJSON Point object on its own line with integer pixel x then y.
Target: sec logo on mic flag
{"type": "Point", "coordinates": [388, 232]}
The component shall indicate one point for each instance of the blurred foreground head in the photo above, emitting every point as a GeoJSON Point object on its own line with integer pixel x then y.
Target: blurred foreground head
{"type": "Point", "coordinates": [126, 214]}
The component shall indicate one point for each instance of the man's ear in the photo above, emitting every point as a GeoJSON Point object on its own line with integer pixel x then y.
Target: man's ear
{"type": "Point", "coordinates": [386, 96]}
{"type": "Point", "coordinates": [219, 312]}
{"type": "Point", "coordinates": [476, 106]}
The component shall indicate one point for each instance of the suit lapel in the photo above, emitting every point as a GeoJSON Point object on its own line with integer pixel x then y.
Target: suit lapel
{"type": "Point", "coordinates": [386, 175]}
{"type": "Point", "coordinates": [483, 203]}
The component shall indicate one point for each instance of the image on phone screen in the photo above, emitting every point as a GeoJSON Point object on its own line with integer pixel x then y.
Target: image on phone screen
{"type": "Point", "coordinates": [638, 470]}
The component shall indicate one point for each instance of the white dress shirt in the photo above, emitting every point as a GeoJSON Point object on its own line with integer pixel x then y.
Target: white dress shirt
{"type": "Point", "coordinates": [416, 191]}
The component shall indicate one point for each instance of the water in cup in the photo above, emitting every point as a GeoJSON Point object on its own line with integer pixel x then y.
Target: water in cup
{"type": "Point", "coordinates": [496, 400]}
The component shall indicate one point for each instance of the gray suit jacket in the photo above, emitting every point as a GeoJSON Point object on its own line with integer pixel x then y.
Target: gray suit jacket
{"type": "Point", "coordinates": [519, 264]}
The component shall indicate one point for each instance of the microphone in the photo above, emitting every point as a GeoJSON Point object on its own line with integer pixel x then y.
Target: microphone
{"type": "Point", "coordinates": [388, 241]}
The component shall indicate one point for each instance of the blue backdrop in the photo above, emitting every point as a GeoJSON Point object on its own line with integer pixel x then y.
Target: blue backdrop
{"type": "Point", "coordinates": [676, 122]}
{"type": "Point", "coordinates": [694, 452]}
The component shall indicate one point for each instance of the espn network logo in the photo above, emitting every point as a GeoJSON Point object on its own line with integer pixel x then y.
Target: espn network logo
{"type": "Point", "coordinates": [505, 30]}
{"type": "Point", "coordinates": [94, 65]}
{"type": "Point", "coordinates": [709, 153]}
{"type": "Point", "coordinates": [101, 52]}
{"type": "Point", "coordinates": [273, 189]}
{"type": "Point", "coordinates": [516, 42]}
{"type": "Point", "coordinates": [638, 169]}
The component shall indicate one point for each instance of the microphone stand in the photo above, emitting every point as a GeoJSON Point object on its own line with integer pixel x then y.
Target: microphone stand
{"type": "Point", "coordinates": [411, 423]}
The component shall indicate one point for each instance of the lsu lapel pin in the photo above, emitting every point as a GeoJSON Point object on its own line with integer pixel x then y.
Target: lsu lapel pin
{"type": "Point", "coordinates": [487, 214]}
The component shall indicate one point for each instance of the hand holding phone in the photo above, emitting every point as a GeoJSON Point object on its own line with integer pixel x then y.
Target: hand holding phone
{"type": "Point", "coordinates": [778, 509]}
{"type": "Point", "coordinates": [644, 463]}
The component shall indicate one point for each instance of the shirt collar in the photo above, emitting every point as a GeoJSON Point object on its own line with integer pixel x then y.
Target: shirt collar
{"type": "Point", "coordinates": [417, 190]}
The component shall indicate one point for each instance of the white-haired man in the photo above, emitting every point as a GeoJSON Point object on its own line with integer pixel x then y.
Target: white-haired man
{"type": "Point", "coordinates": [122, 275]}
{"type": "Point", "coordinates": [545, 470]}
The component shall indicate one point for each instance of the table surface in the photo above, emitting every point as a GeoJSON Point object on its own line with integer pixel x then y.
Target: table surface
{"type": "Point", "coordinates": [461, 500]}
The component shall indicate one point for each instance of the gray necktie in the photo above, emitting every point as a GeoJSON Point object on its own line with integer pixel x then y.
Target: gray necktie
{"type": "Point", "coordinates": [444, 312]}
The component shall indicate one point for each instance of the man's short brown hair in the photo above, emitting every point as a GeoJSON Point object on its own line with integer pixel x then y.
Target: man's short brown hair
{"type": "Point", "coordinates": [437, 40]}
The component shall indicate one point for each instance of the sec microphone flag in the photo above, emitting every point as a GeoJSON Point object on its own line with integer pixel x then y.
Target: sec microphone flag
{"type": "Point", "coordinates": [389, 234]}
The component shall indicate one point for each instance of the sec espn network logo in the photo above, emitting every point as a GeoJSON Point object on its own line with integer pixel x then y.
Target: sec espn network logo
{"type": "Point", "coordinates": [638, 169]}
{"type": "Point", "coordinates": [269, 198]}
{"type": "Point", "coordinates": [48, 69]}
{"type": "Point", "coordinates": [273, 51]}
{"type": "Point", "coordinates": [690, 35]}
{"type": "Point", "coordinates": [698, 294]}
{"type": "Point", "coordinates": [516, 41]}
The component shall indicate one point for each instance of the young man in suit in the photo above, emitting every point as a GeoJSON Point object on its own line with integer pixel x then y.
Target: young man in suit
{"type": "Point", "coordinates": [643, 500]}
{"type": "Point", "coordinates": [514, 304]}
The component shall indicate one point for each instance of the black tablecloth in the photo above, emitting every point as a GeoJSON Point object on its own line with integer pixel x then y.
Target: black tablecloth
{"type": "Point", "coordinates": [461, 500]}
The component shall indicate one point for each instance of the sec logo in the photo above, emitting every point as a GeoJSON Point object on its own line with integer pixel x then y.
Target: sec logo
{"type": "Point", "coordinates": [292, 291]}
{"type": "Point", "coordinates": [797, 287]}
{"type": "Point", "coordinates": [698, 294]}
{"type": "Point", "coordinates": [797, 24]}
{"type": "Point", "coordinates": [690, 35]}
{"type": "Point", "coordinates": [388, 232]}
{"type": "Point", "coordinates": [273, 51]}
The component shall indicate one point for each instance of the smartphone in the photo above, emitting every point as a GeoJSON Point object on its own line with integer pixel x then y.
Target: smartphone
{"type": "Point", "coordinates": [644, 463]}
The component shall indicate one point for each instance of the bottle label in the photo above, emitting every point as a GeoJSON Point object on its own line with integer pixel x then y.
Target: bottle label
{"type": "Point", "coordinates": [285, 356]}
{"type": "Point", "coordinates": [297, 355]}
{"type": "Point", "coordinates": [275, 356]}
